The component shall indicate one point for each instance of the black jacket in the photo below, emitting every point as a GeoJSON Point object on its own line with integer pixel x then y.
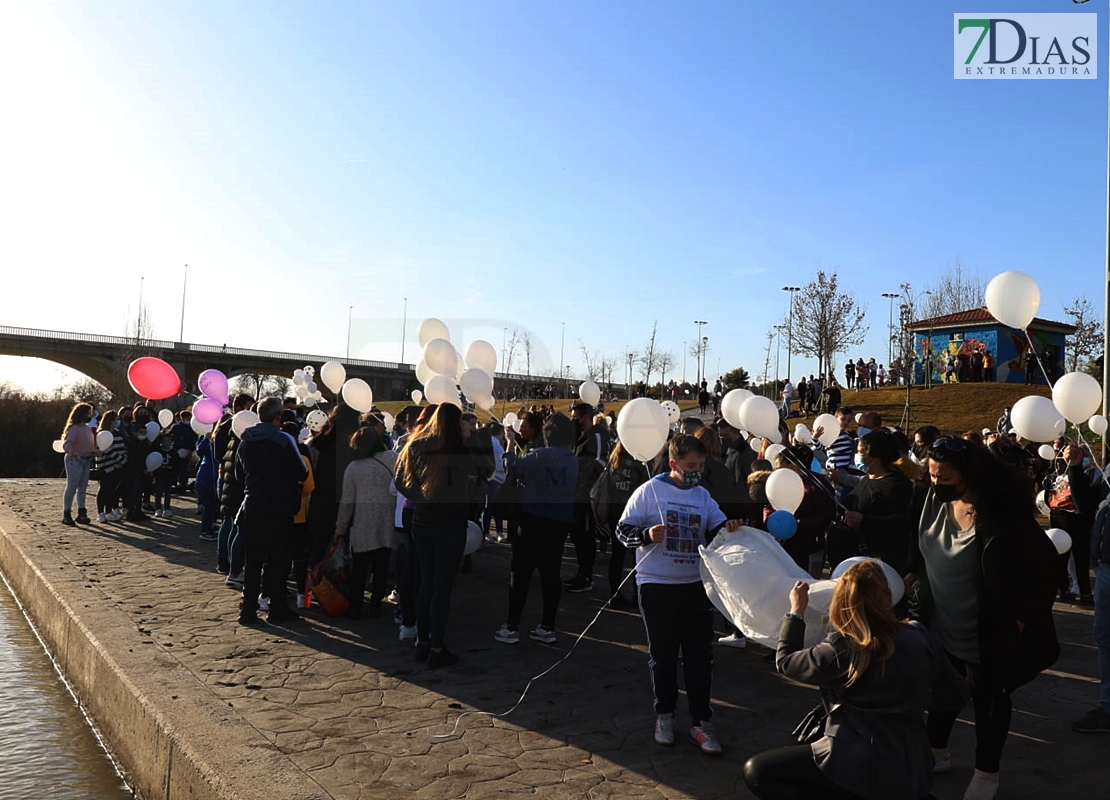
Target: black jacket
{"type": "Point", "coordinates": [271, 469]}
{"type": "Point", "coordinates": [449, 502]}
{"type": "Point", "coordinates": [592, 451]}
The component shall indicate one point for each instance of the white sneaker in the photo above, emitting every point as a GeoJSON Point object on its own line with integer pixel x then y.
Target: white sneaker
{"type": "Point", "coordinates": [736, 640]}
{"type": "Point", "coordinates": [263, 603]}
{"type": "Point", "coordinates": [116, 515]}
{"type": "Point", "coordinates": [101, 517]}
{"type": "Point", "coordinates": [393, 597]}
{"type": "Point", "coordinates": [300, 601]}
{"type": "Point", "coordinates": [942, 760]}
{"type": "Point", "coordinates": [408, 633]}
{"type": "Point", "coordinates": [664, 730]}
{"type": "Point", "coordinates": [167, 513]}
{"type": "Point", "coordinates": [157, 512]}
{"type": "Point", "coordinates": [542, 634]}
{"type": "Point", "coordinates": [983, 786]}
{"type": "Point", "coordinates": [504, 634]}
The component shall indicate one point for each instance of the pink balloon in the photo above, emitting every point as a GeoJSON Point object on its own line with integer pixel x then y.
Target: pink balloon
{"type": "Point", "coordinates": [153, 378]}
{"type": "Point", "coordinates": [213, 383]}
{"type": "Point", "coordinates": [207, 410]}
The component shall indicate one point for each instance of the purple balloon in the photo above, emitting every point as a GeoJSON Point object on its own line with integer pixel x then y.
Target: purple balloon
{"type": "Point", "coordinates": [213, 383]}
{"type": "Point", "coordinates": [207, 410]}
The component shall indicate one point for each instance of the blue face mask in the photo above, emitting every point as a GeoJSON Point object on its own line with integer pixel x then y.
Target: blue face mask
{"type": "Point", "coordinates": [863, 431]}
{"type": "Point", "coordinates": [1086, 463]}
{"type": "Point", "coordinates": [691, 478]}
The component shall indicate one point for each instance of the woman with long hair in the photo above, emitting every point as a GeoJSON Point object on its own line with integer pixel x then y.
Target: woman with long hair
{"type": "Point", "coordinates": [875, 674]}
{"type": "Point", "coordinates": [625, 475]}
{"type": "Point", "coordinates": [986, 578]}
{"type": "Point", "coordinates": [111, 464]}
{"type": "Point", "coordinates": [877, 520]}
{"type": "Point", "coordinates": [437, 471]}
{"type": "Point", "coordinates": [366, 517]}
{"type": "Point", "coordinates": [407, 564]}
{"type": "Point", "coordinates": [330, 457]}
{"type": "Point", "coordinates": [79, 446]}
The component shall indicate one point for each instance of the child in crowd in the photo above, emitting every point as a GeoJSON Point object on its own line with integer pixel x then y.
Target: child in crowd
{"type": "Point", "coordinates": [164, 475]}
{"type": "Point", "coordinates": [666, 519]}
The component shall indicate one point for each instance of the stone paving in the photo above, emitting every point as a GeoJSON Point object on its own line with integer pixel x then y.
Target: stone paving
{"type": "Point", "coordinates": [344, 705]}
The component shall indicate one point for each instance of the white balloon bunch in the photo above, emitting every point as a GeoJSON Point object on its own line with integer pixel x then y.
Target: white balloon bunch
{"type": "Point", "coordinates": [304, 384]}
{"type": "Point", "coordinates": [443, 371]}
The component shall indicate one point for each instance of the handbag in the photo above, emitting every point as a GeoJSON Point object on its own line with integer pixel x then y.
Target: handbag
{"type": "Point", "coordinates": [812, 726]}
{"type": "Point", "coordinates": [506, 505]}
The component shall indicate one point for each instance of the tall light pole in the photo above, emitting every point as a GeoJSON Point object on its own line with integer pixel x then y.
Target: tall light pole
{"type": "Point", "coordinates": [350, 311]}
{"type": "Point", "coordinates": [927, 356]}
{"type": "Point", "coordinates": [139, 319]}
{"type": "Point", "coordinates": [631, 358]}
{"type": "Point", "coordinates": [699, 323]}
{"type": "Point", "coordinates": [404, 326]}
{"type": "Point", "coordinates": [778, 349]}
{"type": "Point", "coordinates": [184, 284]}
{"type": "Point", "coordinates": [790, 328]}
{"type": "Point", "coordinates": [704, 347]}
{"type": "Point", "coordinates": [562, 342]}
{"type": "Point", "coordinates": [891, 296]}
{"type": "Point", "coordinates": [684, 361]}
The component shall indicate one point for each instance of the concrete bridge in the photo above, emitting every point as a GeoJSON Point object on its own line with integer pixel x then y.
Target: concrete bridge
{"type": "Point", "coordinates": [105, 360]}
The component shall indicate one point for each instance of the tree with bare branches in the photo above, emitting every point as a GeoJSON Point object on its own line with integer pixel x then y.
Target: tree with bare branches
{"type": "Point", "coordinates": [1086, 342]}
{"type": "Point", "coordinates": [826, 320]}
{"type": "Point", "coordinates": [593, 361]}
{"type": "Point", "coordinates": [665, 361]}
{"type": "Point", "coordinates": [649, 356]}
{"type": "Point", "coordinates": [954, 291]}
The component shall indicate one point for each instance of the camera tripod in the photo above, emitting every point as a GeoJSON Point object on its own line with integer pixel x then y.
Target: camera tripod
{"type": "Point", "coordinates": [908, 423]}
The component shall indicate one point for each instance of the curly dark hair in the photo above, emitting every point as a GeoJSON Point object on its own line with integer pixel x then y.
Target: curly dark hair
{"type": "Point", "coordinates": [997, 489]}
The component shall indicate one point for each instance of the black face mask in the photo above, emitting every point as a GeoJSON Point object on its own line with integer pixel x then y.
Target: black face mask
{"type": "Point", "coordinates": [947, 492]}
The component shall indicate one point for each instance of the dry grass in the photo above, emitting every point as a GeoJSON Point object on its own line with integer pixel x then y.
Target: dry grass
{"type": "Point", "coordinates": [951, 407]}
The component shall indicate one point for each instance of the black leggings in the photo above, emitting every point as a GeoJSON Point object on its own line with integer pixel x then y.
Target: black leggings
{"type": "Point", "coordinates": [790, 773]}
{"type": "Point", "coordinates": [375, 565]}
{"type": "Point", "coordinates": [109, 491]}
{"type": "Point", "coordinates": [992, 717]}
{"type": "Point", "coordinates": [538, 545]}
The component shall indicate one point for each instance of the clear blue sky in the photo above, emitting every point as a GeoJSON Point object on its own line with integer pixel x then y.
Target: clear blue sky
{"type": "Point", "coordinates": [502, 164]}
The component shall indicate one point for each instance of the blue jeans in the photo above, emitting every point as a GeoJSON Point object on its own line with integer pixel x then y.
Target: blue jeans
{"type": "Point", "coordinates": [1102, 633]}
{"type": "Point", "coordinates": [77, 481]}
{"type": "Point", "coordinates": [230, 546]}
{"type": "Point", "coordinates": [440, 552]}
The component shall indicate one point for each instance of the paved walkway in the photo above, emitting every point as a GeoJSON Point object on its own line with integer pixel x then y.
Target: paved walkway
{"type": "Point", "coordinates": [339, 709]}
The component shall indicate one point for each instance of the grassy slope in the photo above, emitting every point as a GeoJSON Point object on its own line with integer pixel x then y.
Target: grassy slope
{"type": "Point", "coordinates": [952, 407]}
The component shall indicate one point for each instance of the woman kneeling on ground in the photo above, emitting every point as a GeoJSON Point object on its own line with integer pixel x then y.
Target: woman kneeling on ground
{"type": "Point", "coordinates": [874, 673]}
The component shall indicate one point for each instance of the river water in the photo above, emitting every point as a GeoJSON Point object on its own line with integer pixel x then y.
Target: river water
{"type": "Point", "coordinates": [47, 748]}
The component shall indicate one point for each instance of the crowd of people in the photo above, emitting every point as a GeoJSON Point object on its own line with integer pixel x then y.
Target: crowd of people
{"type": "Point", "coordinates": [953, 514]}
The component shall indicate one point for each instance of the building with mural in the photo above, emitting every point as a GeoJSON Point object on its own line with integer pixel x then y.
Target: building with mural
{"type": "Point", "coordinates": [958, 336]}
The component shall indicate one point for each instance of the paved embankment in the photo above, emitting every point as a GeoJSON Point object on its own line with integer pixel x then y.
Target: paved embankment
{"type": "Point", "coordinates": [196, 706]}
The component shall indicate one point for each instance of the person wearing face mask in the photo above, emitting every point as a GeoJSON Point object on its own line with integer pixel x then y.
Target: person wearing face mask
{"type": "Point", "coordinates": [666, 520]}
{"type": "Point", "coordinates": [137, 477]}
{"type": "Point", "coordinates": [983, 578]}
{"type": "Point", "coordinates": [877, 520]}
{"type": "Point", "coordinates": [1073, 499]}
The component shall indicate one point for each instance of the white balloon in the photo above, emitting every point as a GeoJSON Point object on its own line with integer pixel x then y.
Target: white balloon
{"type": "Point", "coordinates": [303, 434]}
{"type": "Point", "coordinates": [200, 428]}
{"type": "Point", "coordinates": [484, 402]}
{"type": "Point", "coordinates": [1097, 424]}
{"type": "Point", "coordinates": [1013, 299]}
{"type": "Point", "coordinates": [1077, 395]}
{"type": "Point", "coordinates": [298, 375]}
{"type": "Point", "coordinates": [516, 425]}
{"type": "Point", "coordinates": [760, 415]}
{"type": "Point", "coordinates": [831, 426]}
{"type": "Point", "coordinates": [441, 389]}
{"type": "Point", "coordinates": [153, 430]}
{"type": "Point", "coordinates": [671, 409]}
{"type": "Point", "coordinates": [358, 395]}
{"type": "Point", "coordinates": [481, 354]}
{"type": "Point", "coordinates": [424, 373]}
{"type": "Point", "coordinates": [1060, 538]}
{"type": "Point", "coordinates": [589, 392]}
{"type": "Point", "coordinates": [310, 401]}
{"type": "Point", "coordinates": [59, 446]}
{"type": "Point", "coordinates": [310, 371]}
{"type": "Point", "coordinates": [441, 358]}
{"type": "Point", "coordinates": [476, 383]}
{"type": "Point", "coordinates": [893, 579]}
{"type": "Point", "coordinates": [642, 428]}
{"type": "Point", "coordinates": [473, 538]}
{"type": "Point", "coordinates": [334, 375]}
{"type": "Point", "coordinates": [730, 406]}
{"type": "Point", "coordinates": [165, 417]}
{"type": "Point", "coordinates": [785, 490]}
{"type": "Point", "coordinates": [1046, 452]}
{"type": "Point", "coordinates": [1037, 419]}
{"type": "Point", "coordinates": [153, 461]}
{"type": "Point", "coordinates": [756, 444]}
{"type": "Point", "coordinates": [510, 418]}
{"type": "Point", "coordinates": [315, 420]}
{"type": "Point", "coordinates": [417, 396]}
{"type": "Point", "coordinates": [432, 328]}
{"type": "Point", "coordinates": [802, 434]}
{"type": "Point", "coordinates": [300, 380]}
{"type": "Point", "coordinates": [859, 416]}
{"type": "Point", "coordinates": [243, 420]}
{"type": "Point", "coordinates": [772, 451]}
{"type": "Point", "coordinates": [301, 392]}
{"type": "Point", "coordinates": [311, 387]}
{"type": "Point", "coordinates": [1042, 504]}
{"type": "Point", "coordinates": [389, 420]}
{"type": "Point", "coordinates": [104, 440]}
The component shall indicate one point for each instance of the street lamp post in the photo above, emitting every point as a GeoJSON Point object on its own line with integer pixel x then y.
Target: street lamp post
{"type": "Point", "coordinates": [789, 328]}
{"type": "Point", "coordinates": [704, 347]}
{"type": "Point", "coordinates": [631, 358]}
{"type": "Point", "coordinates": [684, 361]}
{"type": "Point", "coordinates": [404, 325]}
{"type": "Point", "coordinates": [699, 323]}
{"type": "Point", "coordinates": [562, 342]}
{"type": "Point", "coordinates": [927, 355]}
{"type": "Point", "coordinates": [350, 311]}
{"type": "Point", "coordinates": [890, 327]}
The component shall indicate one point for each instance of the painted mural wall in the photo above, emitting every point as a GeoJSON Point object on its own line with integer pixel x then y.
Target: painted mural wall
{"type": "Point", "coordinates": [1007, 348]}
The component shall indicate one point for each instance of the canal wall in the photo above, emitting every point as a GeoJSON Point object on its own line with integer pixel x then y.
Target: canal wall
{"type": "Point", "coordinates": [157, 720]}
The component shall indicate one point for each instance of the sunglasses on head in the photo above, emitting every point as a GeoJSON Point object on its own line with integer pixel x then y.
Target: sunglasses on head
{"type": "Point", "coordinates": [950, 444]}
